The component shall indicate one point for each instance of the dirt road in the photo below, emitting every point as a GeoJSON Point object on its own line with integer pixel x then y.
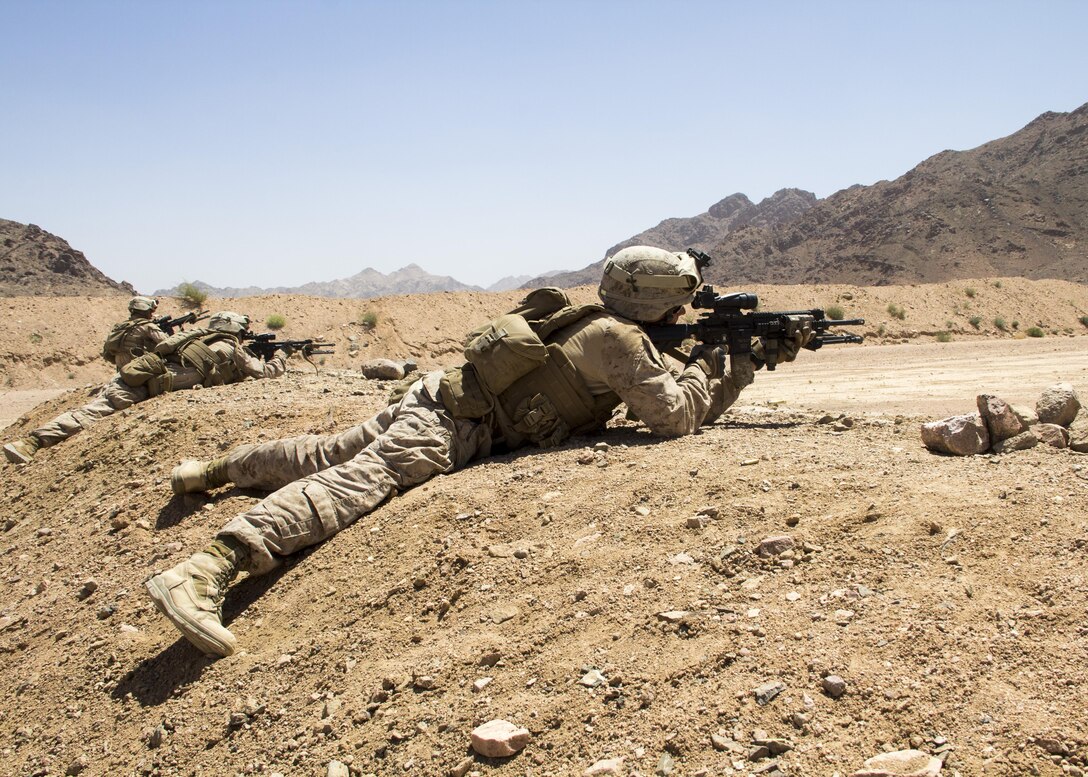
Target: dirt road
{"type": "Point", "coordinates": [930, 379]}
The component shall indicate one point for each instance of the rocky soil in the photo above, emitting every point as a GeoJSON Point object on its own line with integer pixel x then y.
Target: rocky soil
{"type": "Point", "coordinates": [792, 591]}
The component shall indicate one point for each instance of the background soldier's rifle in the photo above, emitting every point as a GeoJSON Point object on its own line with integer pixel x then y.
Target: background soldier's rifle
{"type": "Point", "coordinates": [265, 346]}
{"type": "Point", "coordinates": [733, 322]}
{"type": "Point", "coordinates": [168, 325]}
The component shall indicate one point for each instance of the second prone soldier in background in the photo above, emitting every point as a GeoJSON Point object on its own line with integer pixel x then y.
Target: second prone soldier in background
{"type": "Point", "coordinates": [198, 357]}
{"type": "Point", "coordinates": [136, 336]}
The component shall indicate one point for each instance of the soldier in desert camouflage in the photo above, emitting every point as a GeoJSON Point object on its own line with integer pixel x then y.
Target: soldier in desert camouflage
{"type": "Point", "coordinates": [136, 336]}
{"type": "Point", "coordinates": [588, 359]}
{"type": "Point", "coordinates": [199, 357]}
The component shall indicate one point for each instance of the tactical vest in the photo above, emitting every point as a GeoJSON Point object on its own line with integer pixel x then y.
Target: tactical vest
{"type": "Point", "coordinates": [525, 385]}
{"type": "Point", "coordinates": [190, 349]}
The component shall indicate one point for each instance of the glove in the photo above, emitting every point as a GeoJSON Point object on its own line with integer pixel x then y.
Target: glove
{"type": "Point", "coordinates": [710, 359]}
{"type": "Point", "coordinates": [785, 348]}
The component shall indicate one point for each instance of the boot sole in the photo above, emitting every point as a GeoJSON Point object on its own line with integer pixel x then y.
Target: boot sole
{"type": "Point", "coordinates": [191, 630]}
{"type": "Point", "coordinates": [14, 456]}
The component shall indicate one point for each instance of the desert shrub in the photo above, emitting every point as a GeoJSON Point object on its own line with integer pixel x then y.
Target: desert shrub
{"type": "Point", "coordinates": [970, 292]}
{"type": "Point", "coordinates": [944, 337]}
{"type": "Point", "coordinates": [997, 284]}
{"type": "Point", "coordinates": [881, 330]}
{"type": "Point", "coordinates": [1084, 320]}
{"type": "Point", "coordinates": [35, 338]}
{"type": "Point", "coordinates": [275, 321]}
{"type": "Point", "coordinates": [975, 321]}
{"type": "Point", "coordinates": [1034, 331]}
{"type": "Point", "coordinates": [1015, 324]}
{"type": "Point", "coordinates": [190, 296]}
{"type": "Point", "coordinates": [999, 322]}
{"type": "Point", "coordinates": [368, 318]}
{"type": "Point", "coordinates": [896, 312]}
{"type": "Point", "coordinates": [835, 312]}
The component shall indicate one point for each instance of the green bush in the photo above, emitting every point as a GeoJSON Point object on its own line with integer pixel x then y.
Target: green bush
{"type": "Point", "coordinates": [944, 337]}
{"type": "Point", "coordinates": [896, 312]}
{"type": "Point", "coordinates": [275, 321]}
{"type": "Point", "coordinates": [999, 322]}
{"type": "Point", "coordinates": [835, 312]}
{"type": "Point", "coordinates": [1084, 320]}
{"type": "Point", "coordinates": [975, 321]}
{"type": "Point", "coordinates": [1015, 324]}
{"type": "Point", "coordinates": [881, 330]}
{"type": "Point", "coordinates": [190, 296]}
{"type": "Point", "coordinates": [35, 338]}
{"type": "Point", "coordinates": [368, 318]}
{"type": "Point", "coordinates": [970, 291]}
{"type": "Point", "coordinates": [1034, 331]}
{"type": "Point", "coordinates": [997, 284]}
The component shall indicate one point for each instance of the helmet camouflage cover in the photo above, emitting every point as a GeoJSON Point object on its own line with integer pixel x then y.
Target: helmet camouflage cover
{"type": "Point", "coordinates": [142, 304]}
{"type": "Point", "coordinates": [644, 283]}
{"type": "Point", "coordinates": [229, 322]}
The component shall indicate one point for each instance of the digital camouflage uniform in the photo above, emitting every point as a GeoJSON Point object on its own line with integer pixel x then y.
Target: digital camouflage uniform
{"type": "Point", "coordinates": [596, 359]}
{"type": "Point", "coordinates": [117, 395]}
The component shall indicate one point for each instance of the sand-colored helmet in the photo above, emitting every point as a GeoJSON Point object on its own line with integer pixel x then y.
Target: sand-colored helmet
{"type": "Point", "coordinates": [229, 322]}
{"type": "Point", "coordinates": [644, 283]}
{"type": "Point", "coordinates": [142, 304]}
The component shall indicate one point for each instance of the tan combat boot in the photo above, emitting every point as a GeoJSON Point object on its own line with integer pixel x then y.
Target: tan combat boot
{"type": "Point", "coordinates": [191, 596]}
{"type": "Point", "coordinates": [193, 476]}
{"type": "Point", "coordinates": [22, 451]}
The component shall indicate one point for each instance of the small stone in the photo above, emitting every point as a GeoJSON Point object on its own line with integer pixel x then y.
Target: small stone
{"type": "Point", "coordinates": [765, 693]}
{"type": "Point", "coordinates": [337, 769]}
{"type": "Point", "coordinates": [834, 686]}
{"type": "Point", "coordinates": [605, 766]}
{"type": "Point", "coordinates": [499, 739]}
{"type": "Point", "coordinates": [776, 545]}
{"type": "Point", "coordinates": [593, 678]}
{"type": "Point", "coordinates": [1020, 442]}
{"type": "Point", "coordinates": [901, 763]}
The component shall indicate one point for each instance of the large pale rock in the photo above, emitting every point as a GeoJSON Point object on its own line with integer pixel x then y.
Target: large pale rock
{"type": "Point", "coordinates": [901, 763]}
{"type": "Point", "coordinates": [960, 435]}
{"type": "Point", "coordinates": [1000, 419]}
{"type": "Point", "coordinates": [386, 369]}
{"type": "Point", "coordinates": [499, 739]}
{"type": "Point", "coordinates": [1051, 434]}
{"type": "Point", "coordinates": [1020, 442]}
{"type": "Point", "coordinates": [1058, 405]}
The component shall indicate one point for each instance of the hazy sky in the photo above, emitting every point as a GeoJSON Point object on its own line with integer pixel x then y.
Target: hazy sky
{"type": "Point", "coordinates": [275, 143]}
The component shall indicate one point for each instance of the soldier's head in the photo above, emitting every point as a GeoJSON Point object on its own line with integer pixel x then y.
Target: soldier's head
{"type": "Point", "coordinates": [646, 284]}
{"type": "Point", "coordinates": [142, 307]}
{"type": "Point", "coordinates": [232, 323]}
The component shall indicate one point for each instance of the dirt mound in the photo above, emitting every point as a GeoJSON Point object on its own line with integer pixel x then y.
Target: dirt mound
{"type": "Point", "coordinates": [609, 598]}
{"type": "Point", "coordinates": [34, 262]}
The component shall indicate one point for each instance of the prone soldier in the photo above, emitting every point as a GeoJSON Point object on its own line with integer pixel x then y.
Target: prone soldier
{"type": "Point", "coordinates": [538, 375]}
{"type": "Point", "coordinates": [198, 357]}
{"type": "Point", "coordinates": [136, 336]}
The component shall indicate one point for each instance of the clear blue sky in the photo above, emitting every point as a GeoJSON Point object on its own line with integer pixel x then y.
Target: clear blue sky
{"type": "Point", "coordinates": [275, 143]}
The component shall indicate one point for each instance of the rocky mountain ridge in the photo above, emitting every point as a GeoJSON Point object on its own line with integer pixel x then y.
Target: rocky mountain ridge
{"type": "Point", "coordinates": [36, 262]}
{"type": "Point", "coordinates": [1016, 206]}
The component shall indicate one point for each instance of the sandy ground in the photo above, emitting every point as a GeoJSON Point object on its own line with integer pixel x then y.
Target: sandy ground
{"type": "Point", "coordinates": [949, 594]}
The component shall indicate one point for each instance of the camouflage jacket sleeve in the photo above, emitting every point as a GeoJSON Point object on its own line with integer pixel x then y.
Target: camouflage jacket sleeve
{"type": "Point", "coordinates": [253, 367]}
{"type": "Point", "coordinates": [670, 405]}
{"type": "Point", "coordinates": [153, 334]}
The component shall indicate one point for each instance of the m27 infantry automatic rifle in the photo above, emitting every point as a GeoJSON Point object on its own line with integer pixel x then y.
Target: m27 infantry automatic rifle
{"type": "Point", "coordinates": [266, 345]}
{"type": "Point", "coordinates": [168, 325]}
{"type": "Point", "coordinates": [733, 321]}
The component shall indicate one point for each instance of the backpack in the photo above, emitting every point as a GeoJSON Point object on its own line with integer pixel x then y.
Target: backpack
{"type": "Point", "coordinates": [511, 346]}
{"type": "Point", "coordinates": [115, 340]}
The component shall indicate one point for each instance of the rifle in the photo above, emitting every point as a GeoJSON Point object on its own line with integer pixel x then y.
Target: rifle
{"type": "Point", "coordinates": [167, 324]}
{"type": "Point", "coordinates": [728, 324]}
{"type": "Point", "coordinates": [265, 346]}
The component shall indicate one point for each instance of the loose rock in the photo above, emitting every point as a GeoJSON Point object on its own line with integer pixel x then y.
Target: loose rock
{"type": "Point", "coordinates": [960, 435]}
{"type": "Point", "coordinates": [1058, 405]}
{"type": "Point", "coordinates": [499, 739]}
{"type": "Point", "coordinates": [901, 763]}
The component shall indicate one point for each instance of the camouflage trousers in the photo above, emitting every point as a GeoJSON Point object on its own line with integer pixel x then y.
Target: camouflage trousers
{"type": "Point", "coordinates": [327, 482]}
{"type": "Point", "coordinates": [114, 396]}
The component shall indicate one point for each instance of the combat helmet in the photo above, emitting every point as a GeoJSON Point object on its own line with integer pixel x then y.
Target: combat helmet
{"type": "Point", "coordinates": [229, 322]}
{"type": "Point", "coordinates": [142, 304]}
{"type": "Point", "coordinates": [644, 283]}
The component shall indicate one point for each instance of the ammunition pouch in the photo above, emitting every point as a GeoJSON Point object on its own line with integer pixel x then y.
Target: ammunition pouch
{"type": "Point", "coordinates": [149, 371]}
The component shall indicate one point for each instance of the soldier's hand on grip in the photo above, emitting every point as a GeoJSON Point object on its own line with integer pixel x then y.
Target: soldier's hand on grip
{"type": "Point", "coordinates": [710, 359]}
